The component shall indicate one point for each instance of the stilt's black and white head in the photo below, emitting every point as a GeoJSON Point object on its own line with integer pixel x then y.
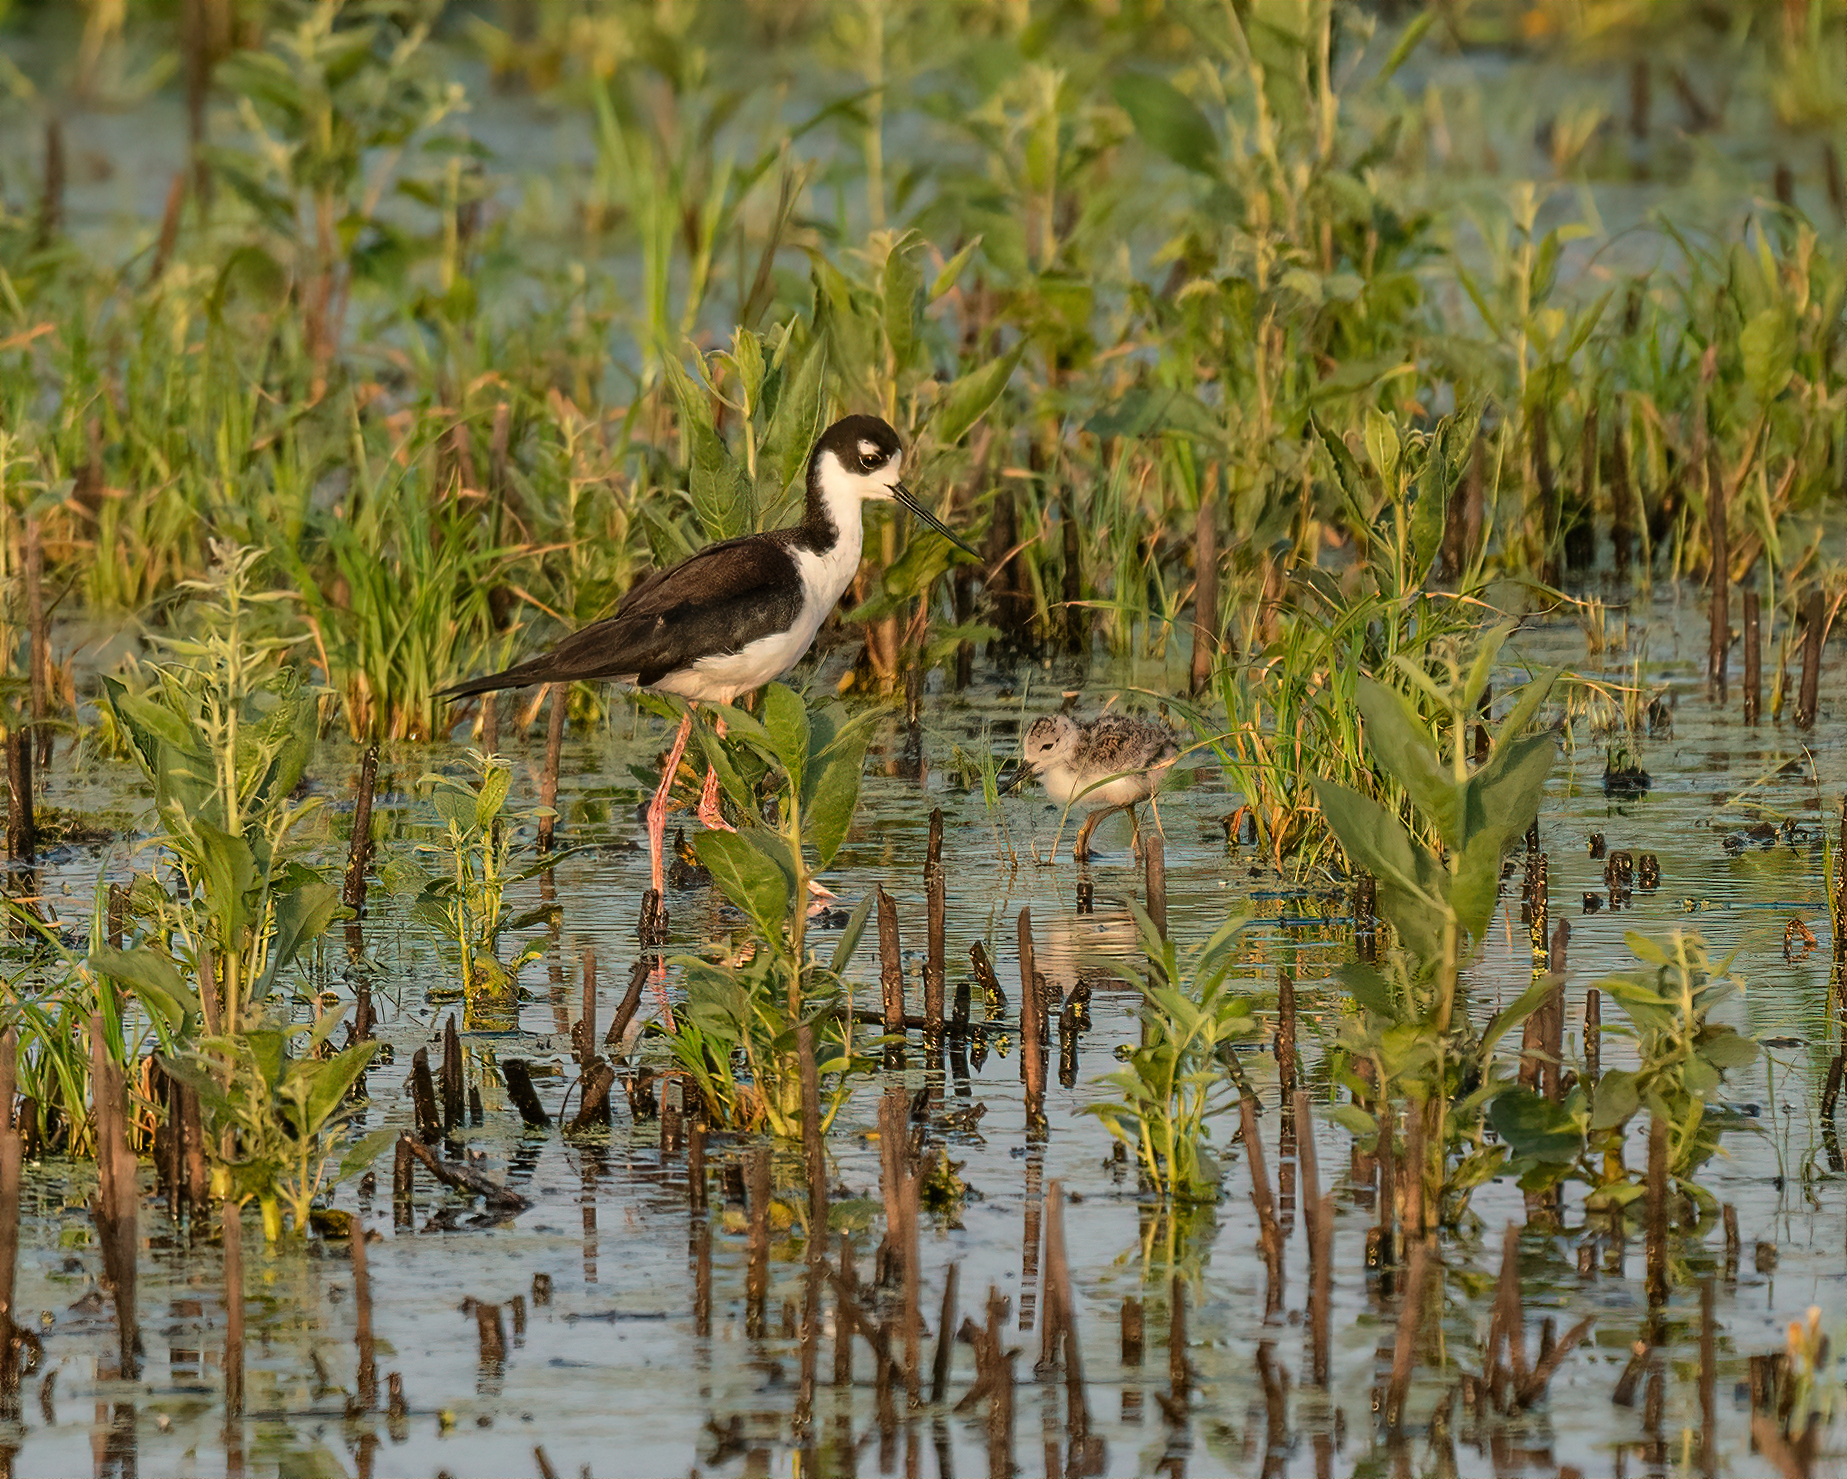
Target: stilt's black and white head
{"type": "Point", "coordinates": [860, 459]}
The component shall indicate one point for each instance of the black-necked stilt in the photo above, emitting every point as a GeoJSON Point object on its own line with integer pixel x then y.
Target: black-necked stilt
{"type": "Point", "coordinates": [1109, 764]}
{"type": "Point", "coordinates": [737, 614]}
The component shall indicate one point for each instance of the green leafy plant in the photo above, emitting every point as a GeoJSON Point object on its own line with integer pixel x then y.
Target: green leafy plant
{"type": "Point", "coordinates": [1682, 1057]}
{"type": "Point", "coordinates": [465, 905]}
{"type": "Point", "coordinates": [1180, 1075]}
{"type": "Point", "coordinates": [283, 1116]}
{"type": "Point", "coordinates": [736, 1035]}
{"type": "Point", "coordinates": [1414, 1026]}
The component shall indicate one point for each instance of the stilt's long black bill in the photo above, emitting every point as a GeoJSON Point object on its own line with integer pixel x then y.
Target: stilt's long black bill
{"type": "Point", "coordinates": [909, 500]}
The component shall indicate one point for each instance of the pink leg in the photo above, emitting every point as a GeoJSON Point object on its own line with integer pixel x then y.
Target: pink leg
{"type": "Point", "coordinates": [710, 817]}
{"type": "Point", "coordinates": [657, 810]}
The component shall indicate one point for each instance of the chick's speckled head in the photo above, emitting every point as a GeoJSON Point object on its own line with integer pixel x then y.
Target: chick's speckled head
{"type": "Point", "coordinates": [1051, 740]}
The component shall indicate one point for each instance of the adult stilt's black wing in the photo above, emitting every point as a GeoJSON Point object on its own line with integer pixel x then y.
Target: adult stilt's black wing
{"type": "Point", "coordinates": [723, 598]}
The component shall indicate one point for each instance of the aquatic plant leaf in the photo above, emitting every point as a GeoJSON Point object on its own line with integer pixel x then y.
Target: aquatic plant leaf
{"type": "Point", "coordinates": [1723, 1047]}
{"type": "Point", "coordinates": [1535, 1128]}
{"type": "Point", "coordinates": [304, 908]}
{"type": "Point", "coordinates": [830, 787]}
{"type": "Point", "coordinates": [966, 400]}
{"type": "Point", "coordinates": [720, 495]}
{"type": "Point", "coordinates": [332, 1080]}
{"type": "Point", "coordinates": [1369, 988]}
{"type": "Point", "coordinates": [850, 936]}
{"type": "Point", "coordinates": [795, 421]}
{"type": "Point", "coordinates": [1411, 884]}
{"type": "Point", "coordinates": [228, 875]}
{"type": "Point", "coordinates": [1169, 121]}
{"type": "Point", "coordinates": [902, 290]}
{"type": "Point", "coordinates": [493, 795]}
{"type": "Point", "coordinates": [153, 978]}
{"type": "Point", "coordinates": [1502, 799]}
{"type": "Point", "coordinates": [785, 721]}
{"type": "Point", "coordinates": [749, 873]}
{"type": "Point", "coordinates": [365, 1150]}
{"type": "Point", "coordinates": [1767, 345]}
{"type": "Point", "coordinates": [1400, 741]}
{"type": "Point", "coordinates": [1614, 1100]}
{"type": "Point", "coordinates": [953, 269]}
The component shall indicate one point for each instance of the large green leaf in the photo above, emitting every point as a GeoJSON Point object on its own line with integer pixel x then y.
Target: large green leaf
{"type": "Point", "coordinates": [830, 791]}
{"type": "Point", "coordinates": [304, 909]}
{"type": "Point", "coordinates": [228, 874]}
{"type": "Point", "coordinates": [1535, 1128]}
{"type": "Point", "coordinates": [752, 870]}
{"type": "Point", "coordinates": [902, 294]}
{"type": "Point", "coordinates": [1411, 884]}
{"type": "Point", "coordinates": [720, 492]}
{"type": "Point", "coordinates": [1502, 798]}
{"type": "Point", "coordinates": [1168, 120]}
{"type": "Point", "coordinates": [332, 1080]}
{"type": "Point", "coordinates": [785, 721]}
{"type": "Point", "coordinates": [153, 978]}
{"type": "Point", "coordinates": [1399, 740]}
{"type": "Point", "coordinates": [966, 401]}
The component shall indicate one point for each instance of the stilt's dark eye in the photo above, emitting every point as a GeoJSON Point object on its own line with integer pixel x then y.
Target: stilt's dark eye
{"type": "Point", "coordinates": [868, 462]}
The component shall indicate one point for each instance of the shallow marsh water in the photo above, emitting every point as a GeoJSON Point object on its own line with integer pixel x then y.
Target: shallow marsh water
{"type": "Point", "coordinates": [611, 1375]}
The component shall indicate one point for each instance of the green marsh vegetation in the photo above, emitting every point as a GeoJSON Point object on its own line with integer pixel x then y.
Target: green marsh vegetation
{"type": "Point", "coordinates": [1214, 323]}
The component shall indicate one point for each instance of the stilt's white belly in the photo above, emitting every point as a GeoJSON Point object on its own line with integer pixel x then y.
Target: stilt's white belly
{"type": "Point", "coordinates": [1064, 785]}
{"type": "Point", "coordinates": [722, 677]}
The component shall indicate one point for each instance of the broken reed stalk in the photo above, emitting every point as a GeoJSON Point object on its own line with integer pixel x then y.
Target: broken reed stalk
{"type": "Point", "coordinates": [459, 1177]}
{"type": "Point", "coordinates": [593, 1086]}
{"type": "Point", "coordinates": [891, 975]}
{"type": "Point", "coordinates": [940, 1367]}
{"type": "Point", "coordinates": [757, 1266]}
{"type": "Point", "coordinates": [367, 1394]}
{"type": "Point", "coordinates": [1410, 1323]}
{"type": "Point", "coordinates": [1593, 1035]}
{"type": "Point", "coordinates": [1753, 657]}
{"type": "Point", "coordinates": [359, 852]}
{"type": "Point", "coordinates": [1622, 498]}
{"type": "Point", "coordinates": [423, 1097]}
{"type": "Point", "coordinates": [1708, 1379]}
{"type": "Point", "coordinates": [936, 894]}
{"type": "Point", "coordinates": [554, 753]}
{"type": "Point", "coordinates": [518, 1075]}
{"type": "Point", "coordinates": [1808, 698]}
{"type": "Point", "coordinates": [586, 1023]}
{"type": "Point", "coordinates": [1154, 869]}
{"type": "Point", "coordinates": [21, 819]}
{"type": "Point", "coordinates": [1134, 1338]}
{"type": "Point", "coordinates": [1206, 582]}
{"type": "Point", "coordinates": [629, 1005]}
{"type": "Point", "coordinates": [813, 1152]}
{"type": "Point", "coordinates": [695, 1168]}
{"type": "Point", "coordinates": [231, 1218]}
{"type": "Point", "coordinates": [113, 1207]}
{"type": "Point", "coordinates": [1063, 1314]}
{"type": "Point", "coordinates": [490, 724]}
{"type": "Point", "coordinates": [1270, 1234]}
{"type": "Point", "coordinates": [12, 1149]}
{"type": "Point", "coordinates": [492, 1332]}
{"type": "Point", "coordinates": [1285, 1036]}
{"type": "Point", "coordinates": [1032, 1027]}
{"type": "Point", "coordinates": [454, 1096]}
{"type": "Point", "coordinates": [1179, 1368]}
{"type": "Point", "coordinates": [1318, 1214]}
{"type": "Point", "coordinates": [1657, 1211]}
{"type": "Point", "coordinates": [402, 1182]}
{"type": "Point", "coordinates": [1719, 636]}
{"type": "Point", "coordinates": [38, 661]}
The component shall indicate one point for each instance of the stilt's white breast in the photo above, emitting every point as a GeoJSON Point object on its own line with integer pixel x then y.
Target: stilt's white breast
{"type": "Point", "coordinates": [825, 577]}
